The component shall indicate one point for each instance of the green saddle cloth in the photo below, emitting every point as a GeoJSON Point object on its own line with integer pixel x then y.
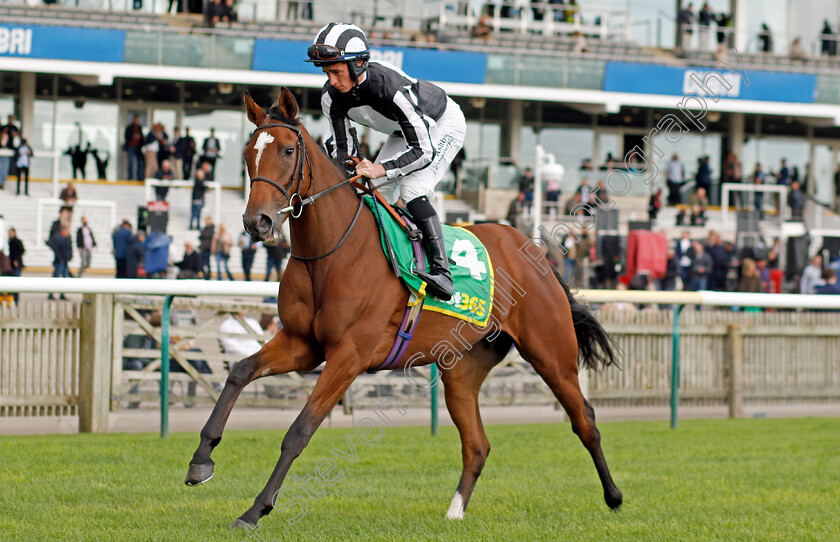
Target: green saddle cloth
{"type": "Point", "coordinates": [472, 272]}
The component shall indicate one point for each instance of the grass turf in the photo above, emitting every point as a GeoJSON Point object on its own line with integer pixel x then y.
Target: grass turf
{"type": "Point", "coordinates": [767, 479]}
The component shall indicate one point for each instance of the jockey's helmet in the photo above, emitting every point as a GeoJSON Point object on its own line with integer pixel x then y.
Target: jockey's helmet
{"type": "Point", "coordinates": [340, 42]}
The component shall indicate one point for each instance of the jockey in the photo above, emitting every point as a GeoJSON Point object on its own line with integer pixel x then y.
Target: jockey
{"type": "Point", "coordinates": [426, 130]}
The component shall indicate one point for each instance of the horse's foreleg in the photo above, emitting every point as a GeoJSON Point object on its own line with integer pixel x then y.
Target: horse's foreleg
{"type": "Point", "coordinates": [282, 354]}
{"type": "Point", "coordinates": [331, 386]}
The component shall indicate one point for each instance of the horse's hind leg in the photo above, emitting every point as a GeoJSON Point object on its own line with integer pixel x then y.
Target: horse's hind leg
{"type": "Point", "coordinates": [462, 383]}
{"type": "Point", "coordinates": [554, 357]}
{"type": "Point", "coordinates": [282, 354]}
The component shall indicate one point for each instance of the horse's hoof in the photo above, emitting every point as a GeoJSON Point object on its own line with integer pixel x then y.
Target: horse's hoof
{"type": "Point", "coordinates": [614, 499]}
{"type": "Point", "coordinates": [198, 474]}
{"type": "Point", "coordinates": [239, 524]}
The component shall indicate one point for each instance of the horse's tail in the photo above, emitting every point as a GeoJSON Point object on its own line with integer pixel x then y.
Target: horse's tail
{"type": "Point", "coordinates": [595, 348]}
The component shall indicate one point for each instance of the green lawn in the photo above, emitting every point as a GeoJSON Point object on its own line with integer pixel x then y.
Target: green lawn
{"type": "Point", "coordinates": [764, 479]}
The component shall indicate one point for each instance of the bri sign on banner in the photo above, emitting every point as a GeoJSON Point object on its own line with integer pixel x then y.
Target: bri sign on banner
{"type": "Point", "coordinates": [15, 41]}
{"type": "Point", "coordinates": [62, 43]}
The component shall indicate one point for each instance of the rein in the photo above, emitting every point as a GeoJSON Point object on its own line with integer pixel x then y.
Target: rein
{"type": "Point", "coordinates": [295, 208]}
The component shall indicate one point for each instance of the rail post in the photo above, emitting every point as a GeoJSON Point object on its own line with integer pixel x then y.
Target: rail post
{"type": "Point", "coordinates": [735, 389]}
{"type": "Point", "coordinates": [97, 315]}
{"type": "Point", "coordinates": [675, 365]}
{"type": "Point", "coordinates": [164, 366]}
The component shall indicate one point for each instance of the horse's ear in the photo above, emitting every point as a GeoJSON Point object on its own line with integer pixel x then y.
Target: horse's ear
{"type": "Point", "coordinates": [255, 112]}
{"type": "Point", "coordinates": [287, 103]}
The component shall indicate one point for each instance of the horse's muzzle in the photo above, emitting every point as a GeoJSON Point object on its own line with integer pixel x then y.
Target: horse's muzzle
{"type": "Point", "coordinates": [258, 226]}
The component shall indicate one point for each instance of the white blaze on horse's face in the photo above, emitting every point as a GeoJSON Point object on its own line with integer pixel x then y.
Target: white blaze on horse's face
{"type": "Point", "coordinates": [262, 141]}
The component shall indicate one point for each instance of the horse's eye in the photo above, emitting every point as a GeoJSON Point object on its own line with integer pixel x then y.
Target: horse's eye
{"type": "Point", "coordinates": [289, 151]}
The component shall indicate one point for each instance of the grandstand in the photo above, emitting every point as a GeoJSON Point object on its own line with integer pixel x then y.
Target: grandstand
{"type": "Point", "coordinates": [534, 82]}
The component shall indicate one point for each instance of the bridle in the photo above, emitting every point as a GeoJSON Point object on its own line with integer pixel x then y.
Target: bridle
{"type": "Point", "coordinates": [296, 201]}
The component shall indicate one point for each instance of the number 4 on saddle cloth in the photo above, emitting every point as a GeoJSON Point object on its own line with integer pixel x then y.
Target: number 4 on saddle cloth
{"type": "Point", "coordinates": [470, 266]}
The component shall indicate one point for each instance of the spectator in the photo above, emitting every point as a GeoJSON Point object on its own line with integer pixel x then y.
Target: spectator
{"type": "Point", "coordinates": [772, 259]}
{"type": "Point", "coordinates": [526, 185]}
{"type": "Point", "coordinates": [796, 201]}
{"type": "Point", "coordinates": [11, 129]}
{"type": "Point", "coordinates": [228, 13]}
{"type": "Point", "coordinates": [732, 174]}
{"type": "Point", "coordinates": [69, 197]}
{"type": "Point", "coordinates": [829, 287]}
{"type": "Point", "coordinates": [701, 266]}
{"type": "Point", "coordinates": [455, 166]}
{"type": "Point", "coordinates": [829, 41]}
{"type": "Point", "coordinates": [765, 37]}
{"type": "Point", "coordinates": [704, 174]}
{"type": "Point", "coordinates": [16, 252]}
{"type": "Point", "coordinates": [585, 191]}
{"type": "Point", "coordinates": [122, 239]}
{"type": "Point", "coordinates": [569, 260]}
{"type": "Point", "coordinates": [62, 248]}
{"type": "Point", "coordinates": [135, 255]}
{"type": "Point", "coordinates": [676, 177]}
{"type": "Point", "coordinates": [205, 246]}
{"type": "Point", "coordinates": [716, 274]}
{"type": "Point", "coordinates": [220, 247]}
{"type": "Point", "coordinates": [672, 271]}
{"type": "Point", "coordinates": [705, 18]}
{"type": "Point", "coordinates": [211, 148]}
{"type": "Point", "coordinates": [165, 173]}
{"type": "Point", "coordinates": [7, 152]}
{"type": "Point", "coordinates": [482, 29]}
{"type": "Point", "coordinates": [156, 255]}
{"type": "Point", "coordinates": [684, 252]}
{"type": "Point", "coordinates": [185, 147]}
{"type": "Point", "coordinates": [797, 52]}
{"type": "Point", "coordinates": [209, 174]}
{"type": "Point", "coordinates": [764, 273]}
{"type": "Point", "coordinates": [133, 145]}
{"type": "Point", "coordinates": [85, 241]}
{"type": "Point", "coordinates": [724, 24]}
{"type": "Point", "coordinates": [553, 181]}
{"type": "Point", "coordinates": [758, 198]}
{"type": "Point", "coordinates": [198, 191]}
{"type": "Point", "coordinates": [190, 266]}
{"type": "Point", "coordinates": [579, 44]}
{"type": "Point", "coordinates": [213, 12]}
{"type": "Point", "coordinates": [685, 20]}
{"type": "Point", "coordinates": [240, 347]}
{"type": "Point", "coordinates": [750, 278]}
{"type": "Point", "coordinates": [811, 276]}
{"type": "Point", "coordinates": [573, 204]}
{"type": "Point", "coordinates": [62, 220]}
{"type": "Point", "coordinates": [176, 155]}
{"type": "Point", "coordinates": [837, 190]}
{"type": "Point", "coordinates": [515, 209]}
{"type": "Point", "coordinates": [24, 157]}
{"type": "Point", "coordinates": [600, 195]}
{"type": "Point", "coordinates": [655, 204]}
{"type": "Point", "coordinates": [699, 202]}
{"type": "Point", "coordinates": [150, 150]}
{"type": "Point", "coordinates": [200, 365]}
{"type": "Point", "coordinates": [275, 256]}
{"type": "Point", "coordinates": [248, 250]}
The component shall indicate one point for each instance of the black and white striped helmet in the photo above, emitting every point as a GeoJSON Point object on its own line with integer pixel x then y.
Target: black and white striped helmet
{"type": "Point", "coordinates": [338, 42]}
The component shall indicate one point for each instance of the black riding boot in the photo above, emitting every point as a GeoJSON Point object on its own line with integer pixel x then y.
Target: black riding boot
{"type": "Point", "coordinates": [437, 278]}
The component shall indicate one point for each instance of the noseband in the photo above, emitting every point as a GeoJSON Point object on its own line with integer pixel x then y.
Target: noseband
{"type": "Point", "coordinates": [296, 179]}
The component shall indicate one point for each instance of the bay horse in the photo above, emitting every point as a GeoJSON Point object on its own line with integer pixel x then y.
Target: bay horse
{"type": "Point", "coordinates": [339, 301]}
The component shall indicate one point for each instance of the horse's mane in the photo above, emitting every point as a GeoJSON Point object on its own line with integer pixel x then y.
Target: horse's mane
{"type": "Point", "coordinates": [277, 114]}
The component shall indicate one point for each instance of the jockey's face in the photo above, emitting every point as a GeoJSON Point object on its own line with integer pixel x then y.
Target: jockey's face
{"type": "Point", "coordinates": [339, 76]}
